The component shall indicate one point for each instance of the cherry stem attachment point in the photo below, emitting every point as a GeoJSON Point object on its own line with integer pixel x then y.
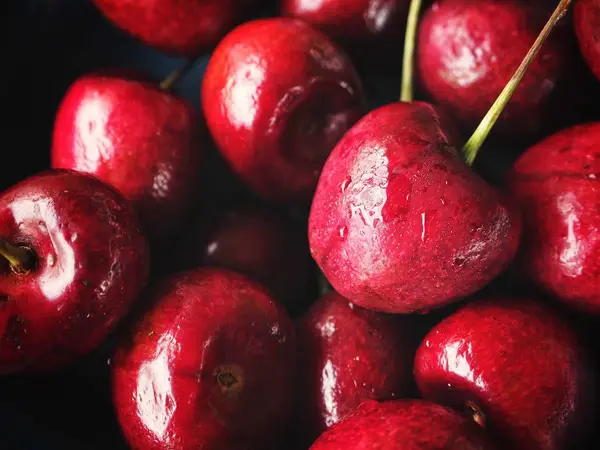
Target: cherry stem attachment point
{"type": "Point", "coordinates": [178, 74]}
{"type": "Point", "coordinates": [408, 59]}
{"type": "Point", "coordinates": [18, 257]}
{"type": "Point", "coordinates": [475, 142]}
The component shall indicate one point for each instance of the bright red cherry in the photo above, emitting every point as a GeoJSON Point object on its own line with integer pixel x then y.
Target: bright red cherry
{"type": "Point", "coordinates": [469, 49]}
{"type": "Point", "coordinates": [399, 223]}
{"type": "Point", "coordinates": [73, 259]}
{"type": "Point", "coordinates": [348, 355]}
{"type": "Point", "coordinates": [406, 425]}
{"type": "Point", "coordinates": [137, 137]}
{"type": "Point", "coordinates": [516, 366]}
{"type": "Point", "coordinates": [557, 183]}
{"type": "Point", "coordinates": [278, 95]}
{"type": "Point", "coordinates": [183, 27]}
{"type": "Point", "coordinates": [210, 366]}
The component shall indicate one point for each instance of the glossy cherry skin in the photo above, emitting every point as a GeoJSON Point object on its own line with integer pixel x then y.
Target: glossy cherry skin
{"type": "Point", "coordinates": [254, 241]}
{"type": "Point", "coordinates": [91, 263]}
{"type": "Point", "coordinates": [557, 183]}
{"type": "Point", "coordinates": [210, 366]}
{"type": "Point", "coordinates": [349, 355]}
{"type": "Point", "coordinates": [278, 95]}
{"type": "Point", "coordinates": [406, 425]}
{"type": "Point", "coordinates": [586, 17]}
{"type": "Point", "coordinates": [181, 27]}
{"type": "Point", "coordinates": [399, 223]}
{"type": "Point", "coordinates": [468, 50]}
{"type": "Point", "coordinates": [354, 20]}
{"type": "Point", "coordinates": [360, 25]}
{"type": "Point", "coordinates": [136, 137]}
{"type": "Point", "coordinates": [517, 364]}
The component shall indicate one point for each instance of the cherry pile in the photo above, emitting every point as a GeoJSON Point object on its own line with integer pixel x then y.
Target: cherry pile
{"type": "Point", "coordinates": [366, 283]}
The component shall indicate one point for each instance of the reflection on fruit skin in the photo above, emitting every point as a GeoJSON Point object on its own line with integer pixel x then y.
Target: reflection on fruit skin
{"type": "Point", "coordinates": [211, 365]}
{"type": "Point", "coordinates": [557, 184]}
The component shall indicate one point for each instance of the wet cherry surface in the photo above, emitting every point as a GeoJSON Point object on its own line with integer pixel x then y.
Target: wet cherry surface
{"type": "Point", "coordinates": [66, 39]}
{"type": "Point", "coordinates": [277, 96]}
{"type": "Point", "coordinates": [161, 23]}
{"type": "Point", "coordinates": [469, 49]}
{"type": "Point", "coordinates": [143, 141]}
{"type": "Point", "coordinates": [517, 365]}
{"type": "Point", "coordinates": [400, 424]}
{"type": "Point", "coordinates": [349, 355]}
{"type": "Point", "coordinates": [210, 366]}
{"type": "Point", "coordinates": [396, 208]}
{"type": "Point", "coordinates": [369, 30]}
{"type": "Point", "coordinates": [91, 263]}
{"type": "Point", "coordinates": [557, 183]}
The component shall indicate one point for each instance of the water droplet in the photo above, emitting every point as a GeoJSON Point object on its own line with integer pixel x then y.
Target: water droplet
{"type": "Point", "coordinates": [51, 260]}
{"type": "Point", "coordinates": [74, 237]}
{"type": "Point", "coordinates": [428, 344]}
{"type": "Point", "coordinates": [343, 232]}
{"type": "Point", "coordinates": [346, 183]}
{"type": "Point", "coordinates": [43, 227]}
{"type": "Point", "coordinates": [592, 176]}
{"type": "Point", "coordinates": [108, 362]}
{"type": "Point", "coordinates": [442, 200]}
{"type": "Point", "coordinates": [275, 329]}
{"type": "Point", "coordinates": [103, 287]}
{"type": "Point", "coordinates": [212, 248]}
{"type": "Point", "coordinates": [21, 225]}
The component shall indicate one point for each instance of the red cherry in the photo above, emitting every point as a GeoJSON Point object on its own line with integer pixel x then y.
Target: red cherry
{"type": "Point", "coordinates": [210, 366]}
{"type": "Point", "coordinates": [78, 260]}
{"type": "Point", "coordinates": [277, 96]}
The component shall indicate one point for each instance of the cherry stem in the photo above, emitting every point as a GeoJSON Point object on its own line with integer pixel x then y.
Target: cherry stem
{"type": "Point", "coordinates": [484, 128]}
{"type": "Point", "coordinates": [18, 257]}
{"type": "Point", "coordinates": [178, 74]}
{"type": "Point", "coordinates": [408, 59]}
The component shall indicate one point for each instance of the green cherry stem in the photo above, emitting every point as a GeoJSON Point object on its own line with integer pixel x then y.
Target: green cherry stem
{"type": "Point", "coordinates": [178, 74]}
{"type": "Point", "coordinates": [18, 257]}
{"type": "Point", "coordinates": [475, 142]}
{"type": "Point", "coordinates": [408, 59]}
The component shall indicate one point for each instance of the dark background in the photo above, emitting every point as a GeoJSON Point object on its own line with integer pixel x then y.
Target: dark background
{"type": "Point", "coordinates": [46, 44]}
